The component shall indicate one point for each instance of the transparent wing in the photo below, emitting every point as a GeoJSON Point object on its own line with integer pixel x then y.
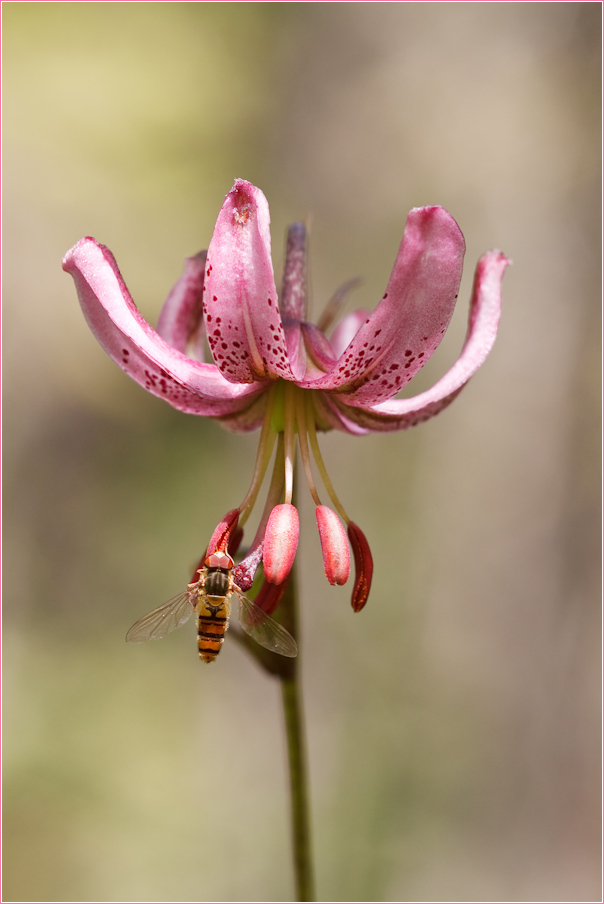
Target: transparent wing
{"type": "Point", "coordinates": [162, 620]}
{"type": "Point", "coordinates": [264, 629]}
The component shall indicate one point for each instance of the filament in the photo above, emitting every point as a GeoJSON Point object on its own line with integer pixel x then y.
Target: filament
{"type": "Point", "coordinates": [274, 493]}
{"type": "Point", "coordinates": [263, 457]}
{"type": "Point", "coordinates": [312, 435]}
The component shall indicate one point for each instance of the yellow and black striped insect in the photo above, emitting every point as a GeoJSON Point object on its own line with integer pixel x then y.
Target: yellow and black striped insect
{"type": "Point", "coordinates": [210, 598]}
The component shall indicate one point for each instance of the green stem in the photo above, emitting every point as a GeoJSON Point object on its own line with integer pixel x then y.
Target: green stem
{"type": "Point", "coordinates": [288, 672]}
{"type": "Point", "coordinates": [291, 691]}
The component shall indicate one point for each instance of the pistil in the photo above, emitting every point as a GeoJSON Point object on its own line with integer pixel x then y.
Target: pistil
{"type": "Point", "coordinates": [289, 440]}
{"type": "Point", "coordinates": [304, 450]}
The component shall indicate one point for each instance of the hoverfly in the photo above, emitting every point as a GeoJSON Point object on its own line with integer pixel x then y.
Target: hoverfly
{"type": "Point", "coordinates": [210, 597]}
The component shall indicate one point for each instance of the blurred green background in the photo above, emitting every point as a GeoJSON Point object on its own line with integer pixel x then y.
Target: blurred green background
{"type": "Point", "coordinates": [453, 726]}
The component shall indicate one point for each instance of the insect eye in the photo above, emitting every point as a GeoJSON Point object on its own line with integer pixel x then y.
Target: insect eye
{"type": "Point", "coordinates": [220, 560]}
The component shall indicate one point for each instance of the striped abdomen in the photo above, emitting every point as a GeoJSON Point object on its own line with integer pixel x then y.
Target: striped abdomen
{"type": "Point", "coordinates": [212, 622]}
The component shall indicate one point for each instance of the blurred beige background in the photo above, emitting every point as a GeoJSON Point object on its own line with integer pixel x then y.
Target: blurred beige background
{"type": "Point", "coordinates": [454, 724]}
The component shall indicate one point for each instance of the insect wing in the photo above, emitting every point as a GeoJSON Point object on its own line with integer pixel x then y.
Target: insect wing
{"type": "Point", "coordinates": [162, 620]}
{"type": "Point", "coordinates": [264, 629]}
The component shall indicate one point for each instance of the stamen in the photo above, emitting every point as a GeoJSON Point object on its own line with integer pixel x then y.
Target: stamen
{"type": "Point", "coordinates": [334, 545]}
{"type": "Point", "coordinates": [280, 543]}
{"type": "Point", "coordinates": [219, 541]}
{"type": "Point", "coordinates": [312, 435]}
{"type": "Point", "coordinates": [363, 564]}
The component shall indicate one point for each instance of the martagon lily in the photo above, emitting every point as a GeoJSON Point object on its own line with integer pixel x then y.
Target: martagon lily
{"type": "Point", "coordinates": [273, 369]}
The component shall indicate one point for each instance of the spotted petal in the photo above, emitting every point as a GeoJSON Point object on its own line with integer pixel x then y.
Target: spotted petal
{"type": "Point", "coordinates": [188, 385]}
{"type": "Point", "coordinates": [410, 320]}
{"type": "Point", "coordinates": [243, 323]}
{"type": "Point", "coordinates": [398, 414]}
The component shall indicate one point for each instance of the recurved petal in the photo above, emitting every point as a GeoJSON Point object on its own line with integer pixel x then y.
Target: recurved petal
{"type": "Point", "coordinates": [485, 312]}
{"type": "Point", "coordinates": [243, 324]}
{"type": "Point", "coordinates": [137, 348]}
{"type": "Point", "coordinates": [182, 316]}
{"type": "Point", "coordinates": [410, 320]}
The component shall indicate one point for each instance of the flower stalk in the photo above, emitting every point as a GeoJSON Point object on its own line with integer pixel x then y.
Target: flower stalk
{"type": "Point", "coordinates": [291, 693]}
{"type": "Point", "coordinates": [288, 672]}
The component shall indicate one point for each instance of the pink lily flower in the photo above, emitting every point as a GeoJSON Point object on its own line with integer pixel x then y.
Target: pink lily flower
{"type": "Point", "coordinates": [271, 368]}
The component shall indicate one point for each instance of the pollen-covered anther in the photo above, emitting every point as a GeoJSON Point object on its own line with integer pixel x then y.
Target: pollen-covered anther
{"type": "Point", "coordinates": [363, 563]}
{"type": "Point", "coordinates": [280, 542]}
{"type": "Point", "coordinates": [334, 544]}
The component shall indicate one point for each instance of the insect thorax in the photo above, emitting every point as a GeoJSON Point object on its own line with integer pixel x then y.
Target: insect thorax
{"type": "Point", "coordinates": [216, 582]}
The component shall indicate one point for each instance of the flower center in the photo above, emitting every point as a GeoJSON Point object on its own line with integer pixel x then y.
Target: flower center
{"type": "Point", "coordinates": [289, 413]}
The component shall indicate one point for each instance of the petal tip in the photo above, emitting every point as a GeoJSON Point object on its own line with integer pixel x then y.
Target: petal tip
{"type": "Point", "coordinates": [244, 196]}
{"type": "Point", "coordinates": [68, 263]}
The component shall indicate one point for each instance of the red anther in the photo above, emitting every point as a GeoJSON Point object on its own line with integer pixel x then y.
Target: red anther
{"type": "Point", "coordinates": [222, 534]}
{"type": "Point", "coordinates": [336, 554]}
{"type": "Point", "coordinates": [280, 542]}
{"type": "Point", "coordinates": [363, 563]}
{"type": "Point", "coordinates": [269, 596]}
{"type": "Point", "coordinates": [235, 541]}
{"type": "Point", "coordinates": [243, 573]}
